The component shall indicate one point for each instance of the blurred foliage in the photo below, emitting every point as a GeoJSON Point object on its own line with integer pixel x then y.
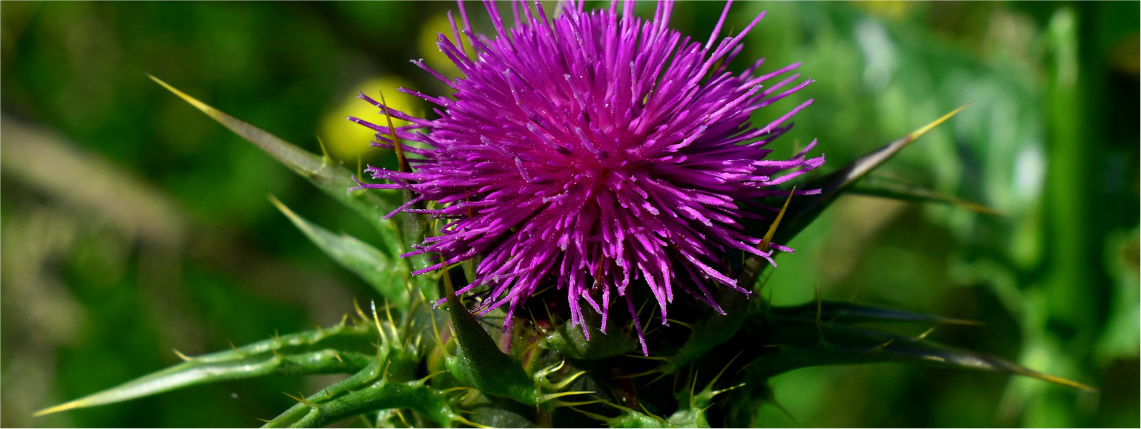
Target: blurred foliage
{"type": "Point", "coordinates": [133, 225]}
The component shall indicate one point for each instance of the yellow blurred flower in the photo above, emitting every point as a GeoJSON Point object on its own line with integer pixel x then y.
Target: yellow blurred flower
{"type": "Point", "coordinates": [346, 141]}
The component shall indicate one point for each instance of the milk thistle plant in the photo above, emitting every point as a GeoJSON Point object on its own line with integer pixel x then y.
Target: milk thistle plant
{"type": "Point", "coordinates": [584, 159]}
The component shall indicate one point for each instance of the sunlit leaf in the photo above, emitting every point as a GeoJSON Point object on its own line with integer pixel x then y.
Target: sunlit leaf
{"type": "Point", "coordinates": [339, 349]}
{"type": "Point", "coordinates": [805, 209]}
{"type": "Point", "coordinates": [384, 273]}
{"type": "Point", "coordinates": [330, 177]}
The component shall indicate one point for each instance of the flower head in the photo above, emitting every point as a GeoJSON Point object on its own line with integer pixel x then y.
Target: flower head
{"type": "Point", "coordinates": [596, 151]}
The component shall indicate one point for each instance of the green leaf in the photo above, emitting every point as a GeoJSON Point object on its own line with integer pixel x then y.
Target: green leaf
{"type": "Point", "coordinates": [843, 312]}
{"type": "Point", "coordinates": [338, 349]}
{"type": "Point", "coordinates": [572, 343]}
{"type": "Point", "coordinates": [478, 361]}
{"type": "Point", "coordinates": [792, 343]}
{"type": "Point", "coordinates": [907, 192]}
{"type": "Point", "coordinates": [367, 391]}
{"type": "Point", "coordinates": [327, 175]}
{"type": "Point", "coordinates": [806, 208]}
{"type": "Point", "coordinates": [628, 418]}
{"type": "Point", "coordinates": [385, 274]}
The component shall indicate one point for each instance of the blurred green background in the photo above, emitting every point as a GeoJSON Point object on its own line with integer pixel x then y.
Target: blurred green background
{"type": "Point", "coordinates": [133, 225]}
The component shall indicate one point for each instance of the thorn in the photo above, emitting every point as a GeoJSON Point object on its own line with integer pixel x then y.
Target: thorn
{"type": "Point", "coordinates": [924, 129]}
{"type": "Point", "coordinates": [924, 335]}
{"type": "Point", "coordinates": [551, 369]}
{"type": "Point", "coordinates": [1064, 382]}
{"type": "Point", "coordinates": [588, 414]}
{"type": "Point", "coordinates": [357, 307]}
{"type": "Point", "coordinates": [458, 388]}
{"type": "Point", "coordinates": [391, 324]}
{"type": "Point", "coordinates": [692, 386]}
{"type": "Point", "coordinates": [301, 399]}
{"type": "Point", "coordinates": [686, 325]}
{"type": "Point", "coordinates": [425, 379]}
{"type": "Point", "coordinates": [648, 413]}
{"type": "Point", "coordinates": [61, 407]}
{"type": "Point", "coordinates": [209, 111]}
{"type": "Point", "coordinates": [643, 307]}
{"type": "Point", "coordinates": [468, 422]}
{"type": "Point", "coordinates": [727, 389]}
{"type": "Point", "coordinates": [184, 358]}
{"type": "Point", "coordinates": [656, 379]}
{"type": "Point", "coordinates": [435, 329]}
{"type": "Point", "coordinates": [401, 161]}
{"type": "Point", "coordinates": [379, 329]}
{"type": "Point", "coordinates": [551, 396]}
{"type": "Point", "coordinates": [768, 238]}
{"type": "Point", "coordinates": [718, 376]}
{"type": "Point", "coordinates": [550, 318]}
{"type": "Point", "coordinates": [575, 404]}
{"type": "Point", "coordinates": [325, 158]}
{"type": "Point", "coordinates": [616, 406]}
{"type": "Point", "coordinates": [402, 420]}
{"type": "Point", "coordinates": [567, 381]}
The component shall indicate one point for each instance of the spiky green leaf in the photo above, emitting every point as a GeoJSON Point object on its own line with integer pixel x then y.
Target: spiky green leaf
{"type": "Point", "coordinates": [330, 177]}
{"type": "Point", "coordinates": [806, 208]}
{"type": "Point", "coordinates": [384, 273]}
{"type": "Point", "coordinates": [845, 312]}
{"type": "Point", "coordinates": [479, 363]}
{"type": "Point", "coordinates": [368, 390]}
{"type": "Point", "coordinates": [338, 349]}
{"type": "Point", "coordinates": [873, 186]}
{"type": "Point", "coordinates": [792, 343]}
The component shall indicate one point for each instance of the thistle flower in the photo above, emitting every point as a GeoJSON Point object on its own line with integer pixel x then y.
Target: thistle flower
{"type": "Point", "coordinates": [596, 151]}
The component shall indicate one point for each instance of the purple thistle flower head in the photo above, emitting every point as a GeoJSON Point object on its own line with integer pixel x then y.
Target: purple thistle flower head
{"type": "Point", "coordinates": [596, 151]}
